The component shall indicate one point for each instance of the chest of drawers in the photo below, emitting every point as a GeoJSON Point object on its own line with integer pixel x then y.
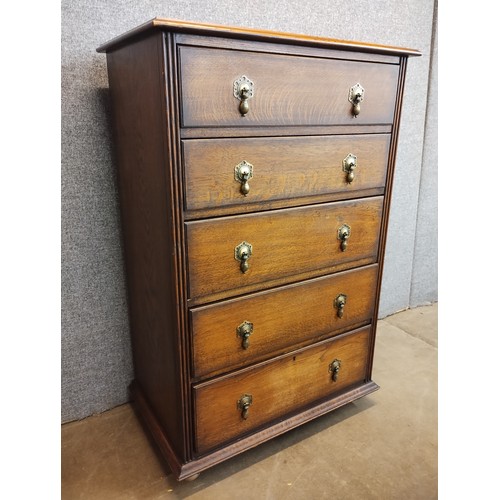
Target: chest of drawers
{"type": "Point", "coordinates": [254, 173]}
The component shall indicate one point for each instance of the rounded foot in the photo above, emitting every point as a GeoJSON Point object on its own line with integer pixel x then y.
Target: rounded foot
{"type": "Point", "coordinates": [193, 477]}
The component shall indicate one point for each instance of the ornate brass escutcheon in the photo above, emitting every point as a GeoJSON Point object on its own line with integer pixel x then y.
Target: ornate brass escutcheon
{"type": "Point", "coordinates": [242, 253]}
{"type": "Point", "coordinates": [243, 91]}
{"type": "Point", "coordinates": [343, 234]}
{"type": "Point", "coordinates": [356, 96]}
{"type": "Point", "coordinates": [339, 304]}
{"type": "Point", "coordinates": [244, 331]}
{"type": "Point", "coordinates": [334, 368]}
{"type": "Point", "coordinates": [349, 163]}
{"type": "Point", "coordinates": [243, 172]}
{"type": "Point", "coordinates": [243, 404]}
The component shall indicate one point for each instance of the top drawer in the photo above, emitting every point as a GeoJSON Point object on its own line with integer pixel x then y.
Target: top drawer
{"type": "Point", "coordinates": [287, 90]}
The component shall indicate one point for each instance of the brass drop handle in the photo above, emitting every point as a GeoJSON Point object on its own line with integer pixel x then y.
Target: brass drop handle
{"type": "Point", "coordinates": [243, 172]}
{"type": "Point", "coordinates": [242, 253]}
{"type": "Point", "coordinates": [343, 234]}
{"type": "Point", "coordinates": [243, 91]}
{"type": "Point", "coordinates": [349, 163]}
{"type": "Point", "coordinates": [244, 331]}
{"type": "Point", "coordinates": [339, 303]}
{"type": "Point", "coordinates": [334, 368]}
{"type": "Point", "coordinates": [356, 96]}
{"type": "Point", "coordinates": [244, 96]}
{"type": "Point", "coordinates": [243, 404]}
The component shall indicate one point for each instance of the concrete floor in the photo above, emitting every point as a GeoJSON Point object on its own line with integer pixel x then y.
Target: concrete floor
{"type": "Point", "coordinates": [383, 446]}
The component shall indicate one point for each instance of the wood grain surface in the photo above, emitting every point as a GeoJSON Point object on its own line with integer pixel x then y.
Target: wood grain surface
{"type": "Point", "coordinates": [283, 168]}
{"type": "Point", "coordinates": [284, 243]}
{"type": "Point", "coordinates": [145, 203]}
{"type": "Point", "coordinates": [179, 135]}
{"type": "Point", "coordinates": [282, 318]}
{"type": "Point", "coordinates": [277, 388]}
{"type": "Point", "coordinates": [242, 34]}
{"type": "Point", "coordinates": [287, 90]}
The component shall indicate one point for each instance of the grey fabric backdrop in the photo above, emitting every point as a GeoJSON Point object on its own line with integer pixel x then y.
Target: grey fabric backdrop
{"type": "Point", "coordinates": [96, 357]}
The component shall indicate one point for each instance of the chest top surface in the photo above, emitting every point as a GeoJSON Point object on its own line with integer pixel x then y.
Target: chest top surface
{"type": "Point", "coordinates": [252, 34]}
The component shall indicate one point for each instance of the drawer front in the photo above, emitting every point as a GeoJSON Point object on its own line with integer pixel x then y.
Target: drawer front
{"type": "Point", "coordinates": [284, 243]}
{"type": "Point", "coordinates": [282, 168]}
{"type": "Point", "coordinates": [277, 388]}
{"type": "Point", "coordinates": [279, 319]}
{"type": "Point", "coordinates": [288, 90]}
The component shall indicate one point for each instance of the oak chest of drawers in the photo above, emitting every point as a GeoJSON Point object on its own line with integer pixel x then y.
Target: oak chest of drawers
{"type": "Point", "coordinates": [255, 173]}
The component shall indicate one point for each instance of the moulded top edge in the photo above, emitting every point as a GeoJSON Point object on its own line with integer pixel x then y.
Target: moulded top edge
{"type": "Point", "coordinates": [253, 34]}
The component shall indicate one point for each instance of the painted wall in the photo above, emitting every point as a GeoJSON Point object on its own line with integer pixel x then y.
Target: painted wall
{"type": "Point", "coordinates": [96, 356]}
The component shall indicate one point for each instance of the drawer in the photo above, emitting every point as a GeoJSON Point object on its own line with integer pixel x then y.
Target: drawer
{"type": "Point", "coordinates": [278, 319]}
{"type": "Point", "coordinates": [282, 168]}
{"type": "Point", "coordinates": [284, 243]}
{"type": "Point", "coordinates": [287, 90]}
{"type": "Point", "coordinates": [277, 388]}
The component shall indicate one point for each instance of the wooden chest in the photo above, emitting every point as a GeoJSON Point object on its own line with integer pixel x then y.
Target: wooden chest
{"type": "Point", "coordinates": [255, 173]}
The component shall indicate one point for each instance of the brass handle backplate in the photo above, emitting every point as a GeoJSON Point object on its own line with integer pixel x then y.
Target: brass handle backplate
{"type": "Point", "coordinates": [243, 172]}
{"type": "Point", "coordinates": [349, 163]}
{"type": "Point", "coordinates": [334, 368]}
{"type": "Point", "coordinates": [343, 234]}
{"type": "Point", "coordinates": [242, 253]}
{"type": "Point", "coordinates": [356, 96]}
{"type": "Point", "coordinates": [339, 304]}
{"type": "Point", "coordinates": [243, 91]}
{"type": "Point", "coordinates": [243, 404]}
{"type": "Point", "coordinates": [244, 331]}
